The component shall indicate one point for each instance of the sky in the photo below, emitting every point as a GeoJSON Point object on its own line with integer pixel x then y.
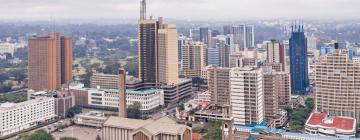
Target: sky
{"type": "Point", "coordinates": [180, 9]}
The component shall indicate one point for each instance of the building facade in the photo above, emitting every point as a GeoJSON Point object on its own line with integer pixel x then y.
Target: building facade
{"type": "Point", "coordinates": [247, 95]}
{"type": "Point", "coordinates": [193, 59]}
{"type": "Point", "coordinates": [16, 117]}
{"type": "Point", "coordinates": [337, 83]}
{"type": "Point", "coordinates": [218, 85]}
{"type": "Point", "coordinates": [275, 53]}
{"type": "Point", "coordinates": [298, 61]}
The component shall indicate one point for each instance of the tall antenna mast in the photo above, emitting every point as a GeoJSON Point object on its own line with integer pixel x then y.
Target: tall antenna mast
{"type": "Point", "coordinates": [142, 9]}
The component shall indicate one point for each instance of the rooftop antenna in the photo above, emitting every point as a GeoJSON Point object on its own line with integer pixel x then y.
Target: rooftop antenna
{"type": "Point", "coordinates": [143, 10]}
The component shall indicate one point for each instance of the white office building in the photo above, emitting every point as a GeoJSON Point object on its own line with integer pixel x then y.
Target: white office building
{"type": "Point", "coordinates": [15, 117]}
{"type": "Point", "coordinates": [109, 98]}
{"type": "Point", "coordinates": [246, 95]}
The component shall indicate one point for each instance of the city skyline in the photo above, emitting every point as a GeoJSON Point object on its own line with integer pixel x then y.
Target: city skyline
{"type": "Point", "coordinates": [205, 10]}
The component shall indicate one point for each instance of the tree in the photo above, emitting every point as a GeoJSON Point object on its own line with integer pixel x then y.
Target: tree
{"type": "Point", "coordinates": [181, 106]}
{"type": "Point", "coordinates": [68, 138]}
{"type": "Point", "coordinates": [132, 67]}
{"type": "Point", "coordinates": [39, 135]}
{"type": "Point", "coordinates": [197, 81]}
{"type": "Point", "coordinates": [133, 111]}
{"type": "Point", "coordinates": [309, 104]}
{"type": "Point", "coordinates": [112, 68]}
{"type": "Point", "coordinates": [214, 133]}
{"type": "Point", "coordinates": [73, 111]}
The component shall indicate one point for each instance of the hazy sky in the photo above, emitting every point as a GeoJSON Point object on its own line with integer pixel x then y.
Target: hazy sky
{"type": "Point", "coordinates": [180, 9]}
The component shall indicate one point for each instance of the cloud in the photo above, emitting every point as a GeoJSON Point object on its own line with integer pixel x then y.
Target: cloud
{"type": "Point", "coordinates": [179, 9]}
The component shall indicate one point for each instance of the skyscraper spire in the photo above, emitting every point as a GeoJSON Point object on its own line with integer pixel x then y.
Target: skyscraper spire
{"type": "Point", "coordinates": [142, 9]}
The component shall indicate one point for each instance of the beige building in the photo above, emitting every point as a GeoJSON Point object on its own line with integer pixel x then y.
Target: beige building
{"type": "Point", "coordinates": [193, 59]}
{"type": "Point", "coordinates": [277, 92]}
{"type": "Point", "coordinates": [218, 85]}
{"type": "Point", "coordinates": [104, 81]}
{"type": "Point", "coordinates": [337, 80]}
{"type": "Point", "coordinates": [275, 53]}
{"type": "Point", "coordinates": [246, 95]}
{"type": "Point", "coordinates": [168, 68]}
{"type": "Point", "coordinates": [116, 128]}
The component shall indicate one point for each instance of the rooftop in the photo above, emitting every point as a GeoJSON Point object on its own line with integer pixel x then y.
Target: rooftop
{"type": "Point", "coordinates": [9, 106]}
{"type": "Point", "coordinates": [322, 120]}
{"type": "Point", "coordinates": [163, 125]}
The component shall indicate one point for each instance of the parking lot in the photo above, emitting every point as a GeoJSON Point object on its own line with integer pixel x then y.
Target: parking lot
{"type": "Point", "coordinates": [80, 132]}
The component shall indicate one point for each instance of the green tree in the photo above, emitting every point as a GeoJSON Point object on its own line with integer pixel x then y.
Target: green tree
{"type": "Point", "coordinates": [133, 111]}
{"type": "Point", "coordinates": [309, 104]}
{"type": "Point", "coordinates": [181, 106]}
{"type": "Point", "coordinates": [73, 111]}
{"type": "Point", "coordinates": [132, 67]}
{"type": "Point", "coordinates": [112, 68]}
{"type": "Point", "coordinates": [39, 135]}
{"type": "Point", "coordinates": [68, 138]}
{"type": "Point", "coordinates": [214, 133]}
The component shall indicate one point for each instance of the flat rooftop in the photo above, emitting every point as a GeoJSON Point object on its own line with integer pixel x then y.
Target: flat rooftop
{"type": "Point", "coordinates": [322, 120]}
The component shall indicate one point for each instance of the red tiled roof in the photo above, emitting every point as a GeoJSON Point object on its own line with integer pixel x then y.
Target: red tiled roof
{"type": "Point", "coordinates": [338, 122]}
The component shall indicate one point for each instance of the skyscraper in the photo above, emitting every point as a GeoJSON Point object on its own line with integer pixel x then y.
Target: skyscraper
{"type": "Point", "coordinates": [247, 95]}
{"type": "Point", "coordinates": [193, 59]}
{"type": "Point", "coordinates": [66, 60]}
{"type": "Point", "coordinates": [277, 91]}
{"type": "Point", "coordinates": [218, 84]}
{"type": "Point", "coordinates": [213, 56]}
{"type": "Point", "coordinates": [337, 83]}
{"type": "Point", "coordinates": [49, 61]}
{"type": "Point", "coordinates": [147, 50]}
{"type": "Point", "coordinates": [298, 61]}
{"type": "Point", "coordinates": [142, 9]}
{"type": "Point", "coordinates": [168, 55]}
{"type": "Point", "coordinates": [275, 53]}
{"type": "Point", "coordinates": [243, 36]}
{"type": "Point", "coordinates": [205, 35]}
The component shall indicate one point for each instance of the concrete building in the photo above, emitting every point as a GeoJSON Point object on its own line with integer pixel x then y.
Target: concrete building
{"type": "Point", "coordinates": [16, 117]}
{"type": "Point", "coordinates": [92, 119]}
{"type": "Point", "coordinates": [104, 81]}
{"type": "Point", "coordinates": [168, 55]}
{"type": "Point", "coordinates": [179, 92]}
{"type": "Point", "coordinates": [49, 61]}
{"type": "Point", "coordinates": [244, 36]}
{"type": "Point", "coordinates": [205, 35]}
{"type": "Point", "coordinates": [7, 48]}
{"type": "Point", "coordinates": [218, 85]}
{"type": "Point", "coordinates": [213, 56]}
{"type": "Point", "coordinates": [247, 95]}
{"type": "Point", "coordinates": [277, 92]}
{"type": "Point", "coordinates": [275, 53]}
{"type": "Point", "coordinates": [147, 49]}
{"type": "Point", "coordinates": [108, 99]}
{"type": "Point", "coordinates": [323, 125]}
{"type": "Point", "coordinates": [132, 129]}
{"type": "Point", "coordinates": [337, 83]}
{"type": "Point", "coordinates": [193, 59]}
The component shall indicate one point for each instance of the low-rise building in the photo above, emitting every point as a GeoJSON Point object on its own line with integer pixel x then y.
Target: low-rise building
{"type": "Point", "coordinates": [323, 125]}
{"type": "Point", "coordinates": [92, 118]}
{"type": "Point", "coordinates": [179, 92]}
{"type": "Point", "coordinates": [16, 117]}
{"type": "Point", "coordinates": [149, 99]}
{"type": "Point", "coordinates": [116, 128]}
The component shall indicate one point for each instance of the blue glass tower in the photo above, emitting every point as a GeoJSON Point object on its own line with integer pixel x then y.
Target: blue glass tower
{"type": "Point", "coordinates": [298, 61]}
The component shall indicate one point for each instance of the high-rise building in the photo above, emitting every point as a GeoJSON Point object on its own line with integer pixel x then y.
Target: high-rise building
{"type": "Point", "coordinates": [244, 36]}
{"type": "Point", "coordinates": [66, 60]}
{"type": "Point", "coordinates": [147, 49]}
{"type": "Point", "coordinates": [142, 9]}
{"type": "Point", "coordinates": [218, 85]}
{"type": "Point", "coordinates": [168, 68]}
{"type": "Point", "coordinates": [193, 59]}
{"type": "Point", "coordinates": [246, 95]}
{"type": "Point", "coordinates": [337, 83]}
{"type": "Point", "coordinates": [213, 56]}
{"type": "Point", "coordinates": [298, 61]}
{"type": "Point", "coordinates": [277, 92]}
{"type": "Point", "coordinates": [122, 93]}
{"type": "Point", "coordinates": [224, 53]}
{"type": "Point", "coordinates": [275, 53]}
{"type": "Point", "coordinates": [50, 61]}
{"type": "Point", "coordinates": [205, 35]}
